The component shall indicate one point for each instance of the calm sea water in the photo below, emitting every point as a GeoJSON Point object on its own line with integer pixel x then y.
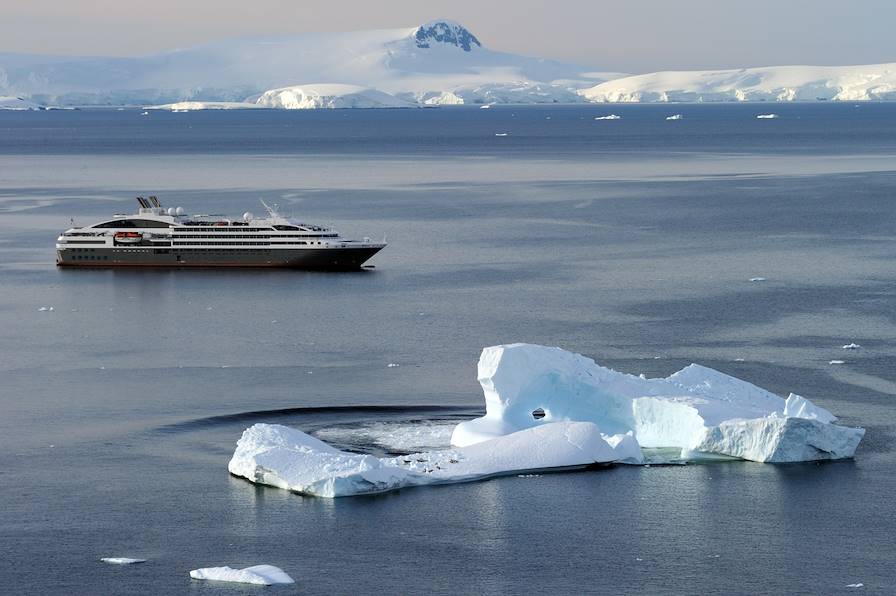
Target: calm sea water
{"type": "Point", "coordinates": [631, 241]}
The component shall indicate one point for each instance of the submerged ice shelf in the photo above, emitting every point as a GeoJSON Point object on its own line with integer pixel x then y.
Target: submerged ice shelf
{"type": "Point", "coordinates": [547, 408]}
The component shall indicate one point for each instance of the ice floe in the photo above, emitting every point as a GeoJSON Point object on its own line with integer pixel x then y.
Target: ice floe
{"type": "Point", "coordinates": [837, 362]}
{"type": "Point", "coordinates": [766, 116]}
{"type": "Point", "coordinates": [45, 309]}
{"type": "Point", "coordinates": [754, 279]}
{"type": "Point", "coordinates": [265, 575]}
{"type": "Point", "coordinates": [698, 410]}
{"type": "Point", "coordinates": [852, 346]}
{"type": "Point", "coordinates": [674, 117]}
{"type": "Point", "coordinates": [290, 459]}
{"type": "Point", "coordinates": [609, 117]}
{"type": "Point", "coordinates": [122, 560]}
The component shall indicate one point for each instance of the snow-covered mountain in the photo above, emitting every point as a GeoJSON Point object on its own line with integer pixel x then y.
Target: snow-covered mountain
{"type": "Point", "coordinates": [438, 62]}
{"type": "Point", "coordinates": [775, 83]}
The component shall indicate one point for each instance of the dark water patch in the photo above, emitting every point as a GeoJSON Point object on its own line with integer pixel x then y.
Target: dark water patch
{"type": "Point", "coordinates": [260, 415]}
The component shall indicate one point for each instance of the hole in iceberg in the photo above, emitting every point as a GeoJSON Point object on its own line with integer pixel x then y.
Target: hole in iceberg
{"type": "Point", "coordinates": [538, 414]}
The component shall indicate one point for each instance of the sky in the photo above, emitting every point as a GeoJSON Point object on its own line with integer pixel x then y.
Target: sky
{"type": "Point", "coordinates": [618, 35]}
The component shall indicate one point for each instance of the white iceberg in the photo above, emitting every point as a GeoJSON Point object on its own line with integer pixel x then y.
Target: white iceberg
{"type": "Point", "coordinates": [702, 412]}
{"type": "Point", "coordinates": [609, 117]}
{"type": "Point", "coordinates": [766, 116]}
{"type": "Point", "coordinates": [674, 117]}
{"type": "Point", "coordinates": [122, 560]}
{"type": "Point", "coordinates": [851, 346]}
{"type": "Point", "coordinates": [265, 575]}
{"type": "Point", "coordinates": [317, 96]}
{"type": "Point", "coordinates": [290, 459]}
{"type": "Point", "coordinates": [192, 106]}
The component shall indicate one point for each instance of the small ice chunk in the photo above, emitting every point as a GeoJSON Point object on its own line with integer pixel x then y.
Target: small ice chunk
{"type": "Point", "coordinates": [766, 116]}
{"type": "Point", "coordinates": [674, 117]}
{"type": "Point", "coordinates": [757, 279]}
{"type": "Point", "coordinates": [609, 117]}
{"type": "Point", "coordinates": [393, 365]}
{"type": "Point", "coordinates": [121, 560]}
{"type": "Point", "coordinates": [858, 585]}
{"type": "Point", "coordinates": [500, 134]}
{"type": "Point", "coordinates": [264, 575]}
{"type": "Point", "coordinates": [485, 107]}
{"type": "Point", "coordinates": [837, 362]}
{"type": "Point", "coordinates": [45, 309]}
{"type": "Point", "coordinates": [852, 346]}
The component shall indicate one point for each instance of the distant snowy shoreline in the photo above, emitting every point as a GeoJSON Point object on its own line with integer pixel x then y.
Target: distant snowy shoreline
{"type": "Point", "coordinates": [438, 63]}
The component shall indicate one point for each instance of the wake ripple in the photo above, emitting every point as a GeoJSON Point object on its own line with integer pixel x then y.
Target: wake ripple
{"type": "Point", "coordinates": [261, 415]}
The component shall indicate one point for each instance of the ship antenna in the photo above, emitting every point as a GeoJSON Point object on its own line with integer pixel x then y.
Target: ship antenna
{"type": "Point", "coordinates": [272, 211]}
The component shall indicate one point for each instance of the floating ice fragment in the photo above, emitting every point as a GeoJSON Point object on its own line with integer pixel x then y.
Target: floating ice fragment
{"type": "Point", "coordinates": [500, 134]}
{"type": "Point", "coordinates": [837, 362]}
{"type": "Point", "coordinates": [674, 117]}
{"type": "Point", "coordinates": [145, 114]}
{"type": "Point", "coordinates": [45, 309]}
{"type": "Point", "coordinates": [851, 347]}
{"type": "Point", "coordinates": [485, 107]}
{"type": "Point", "coordinates": [609, 117]}
{"type": "Point", "coordinates": [757, 279]}
{"type": "Point", "coordinates": [766, 116]}
{"type": "Point", "coordinates": [859, 585]}
{"type": "Point", "coordinates": [290, 459]}
{"type": "Point", "coordinates": [121, 560]}
{"type": "Point", "coordinates": [265, 575]}
{"type": "Point", "coordinates": [392, 365]}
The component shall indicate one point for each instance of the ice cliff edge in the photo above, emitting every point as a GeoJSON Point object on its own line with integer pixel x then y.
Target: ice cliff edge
{"type": "Point", "coordinates": [699, 410]}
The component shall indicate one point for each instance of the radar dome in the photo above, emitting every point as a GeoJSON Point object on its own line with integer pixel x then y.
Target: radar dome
{"type": "Point", "coordinates": [247, 216]}
{"type": "Point", "coordinates": [179, 211]}
{"type": "Point", "coordinates": [171, 211]}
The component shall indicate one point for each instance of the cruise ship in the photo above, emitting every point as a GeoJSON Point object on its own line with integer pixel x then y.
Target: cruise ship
{"type": "Point", "coordinates": [159, 237]}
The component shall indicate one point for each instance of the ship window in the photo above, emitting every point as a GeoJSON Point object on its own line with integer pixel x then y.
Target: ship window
{"type": "Point", "coordinates": [132, 223]}
{"type": "Point", "coordinates": [287, 228]}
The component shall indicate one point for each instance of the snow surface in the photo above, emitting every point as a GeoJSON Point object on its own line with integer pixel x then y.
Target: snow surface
{"type": "Point", "coordinates": [774, 83]}
{"type": "Point", "coordinates": [265, 575]}
{"type": "Point", "coordinates": [698, 410]}
{"type": "Point", "coordinates": [189, 106]}
{"type": "Point", "coordinates": [17, 103]}
{"type": "Point", "coordinates": [286, 458]}
{"type": "Point", "coordinates": [436, 63]}
{"type": "Point", "coordinates": [309, 97]}
{"type": "Point", "coordinates": [121, 560]}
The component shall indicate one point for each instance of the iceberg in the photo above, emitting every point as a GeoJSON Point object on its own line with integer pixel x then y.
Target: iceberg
{"type": "Point", "coordinates": [701, 411]}
{"type": "Point", "coordinates": [122, 560]}
{"type": "Point", "coordinates": [265, 575]}
{"type": "Point", "coordinates": [287, 458]}
{"type": "Point", "coordinates": [190, 106]}
{"type": "Point", "coordinates": [309, 97]}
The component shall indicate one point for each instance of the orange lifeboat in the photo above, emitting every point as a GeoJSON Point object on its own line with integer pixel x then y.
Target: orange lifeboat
{"type": "Point", "coordinates": [128, 237]}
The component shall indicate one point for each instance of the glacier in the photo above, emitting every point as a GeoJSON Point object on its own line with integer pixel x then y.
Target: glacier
{"type": "Point", "coordinates": [437, 63]}
{"type": "Point", "coordinates": [701, 411]}
{"type": "Point", "coordinates": [773, 83]}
